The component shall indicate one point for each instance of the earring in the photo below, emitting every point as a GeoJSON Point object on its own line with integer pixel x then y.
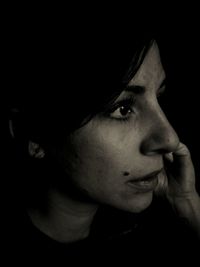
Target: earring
{"type": "Point", "coordinates": [35, 150]}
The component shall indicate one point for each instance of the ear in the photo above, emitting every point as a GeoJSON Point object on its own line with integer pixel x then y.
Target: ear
{"type": "Point", "coordinates": [35, 150]}
{"type": "Point", "coordinates": [12, 122]}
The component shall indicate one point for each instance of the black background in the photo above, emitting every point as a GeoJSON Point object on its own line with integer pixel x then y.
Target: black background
{"type": "Point", "coordinates": [181, 57]}
{"type": "Point", "coordinates": [179, 46]}
{"type": "Point", "coordinates": [178, 38]}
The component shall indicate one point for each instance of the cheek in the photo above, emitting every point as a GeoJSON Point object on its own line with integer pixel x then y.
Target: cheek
{"type": "Point", "coordinates": [104, 155]}
{"type": "Point", "coordinates": [100, 163]}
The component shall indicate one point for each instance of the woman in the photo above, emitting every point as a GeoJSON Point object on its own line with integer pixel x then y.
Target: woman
{"type": "Point", "coordinates": [103, 142]}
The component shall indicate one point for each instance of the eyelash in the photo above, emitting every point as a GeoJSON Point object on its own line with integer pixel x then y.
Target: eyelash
{"type": "Point", "coordinates": [127, 103]}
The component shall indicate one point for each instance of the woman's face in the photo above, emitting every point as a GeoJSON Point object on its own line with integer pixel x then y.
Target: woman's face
{"type": "Point", "coordinates": [115, 158]}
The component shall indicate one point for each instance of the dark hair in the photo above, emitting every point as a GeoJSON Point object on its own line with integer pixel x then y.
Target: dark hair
{"type": "Point", "coordinates": [62, 81]}
{"type": "Point", "coordinates": [57, 83]}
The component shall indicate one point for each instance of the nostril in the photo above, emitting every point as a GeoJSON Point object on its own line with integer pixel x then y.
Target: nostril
{"type": "Point", "coordinates": [161, 141]}
{"type": "Point", "coordinates": [125, 173]}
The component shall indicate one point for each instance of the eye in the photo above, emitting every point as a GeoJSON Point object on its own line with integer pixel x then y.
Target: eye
{"type": "Point", "coordinates": [160, 92]}
{"type": "Point", "coordinates": [122, 112]}
{"type": "Point", "coordinates": [161, 98]}
{"type": "Point", "coordinates": [121, 109]}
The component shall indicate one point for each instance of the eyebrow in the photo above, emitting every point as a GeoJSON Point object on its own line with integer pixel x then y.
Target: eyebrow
{"type": "Point", "coordinates": [138, 89]}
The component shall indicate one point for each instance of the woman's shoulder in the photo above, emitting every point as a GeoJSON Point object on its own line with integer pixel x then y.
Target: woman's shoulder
{"type": "Point", "coordinates": [158, 228]}
{"type": "Point", "coordinates": [114, 233]}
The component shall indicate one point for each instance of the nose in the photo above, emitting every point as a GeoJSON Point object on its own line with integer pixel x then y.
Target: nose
{"type": "Point", "coordinates": [161, 137]}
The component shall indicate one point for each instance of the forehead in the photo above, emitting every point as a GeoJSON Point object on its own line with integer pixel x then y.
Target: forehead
{"type": "Point", "coordinates": [151, 72]}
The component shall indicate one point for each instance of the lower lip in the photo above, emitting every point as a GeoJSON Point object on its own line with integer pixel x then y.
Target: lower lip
{"type": "Point", "coordinates": [145, 185]}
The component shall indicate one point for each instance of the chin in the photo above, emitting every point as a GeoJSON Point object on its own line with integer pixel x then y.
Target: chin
{"type": "Point", "coordinates": [137, 204]}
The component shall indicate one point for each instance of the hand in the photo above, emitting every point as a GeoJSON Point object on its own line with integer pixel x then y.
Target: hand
{"type": "Point", "coordinates": [178, 184]}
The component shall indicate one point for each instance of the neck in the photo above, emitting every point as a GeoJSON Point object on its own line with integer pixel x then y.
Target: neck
{"type": "Point", "coordinates": [64, 219]}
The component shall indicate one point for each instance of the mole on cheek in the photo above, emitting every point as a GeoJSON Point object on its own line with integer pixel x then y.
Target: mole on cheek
{"type": "Point", "coordinates": [125, 173]}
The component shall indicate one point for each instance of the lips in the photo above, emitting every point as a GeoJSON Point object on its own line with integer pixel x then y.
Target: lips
{"type": "Point", "coordinates": [145, 183]}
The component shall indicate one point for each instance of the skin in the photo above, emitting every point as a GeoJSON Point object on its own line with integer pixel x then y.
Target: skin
{"type": "Point", "coordinates": [112, 149]}
{"type": "Point", "coordinates": [107, 146]}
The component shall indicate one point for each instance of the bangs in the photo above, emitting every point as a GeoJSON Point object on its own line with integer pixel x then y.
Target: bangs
{"type": "Point", "coordinates": [61, 81]}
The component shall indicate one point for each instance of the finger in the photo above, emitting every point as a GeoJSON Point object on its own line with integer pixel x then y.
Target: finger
{"type": "Point", "coordinates": [181, 155]}
{"type": "Point", "coordinates": [182, 159]}
{"type": "Point", "coordinates": [180, 168]}
{"type": "Point", "coordinates": [169, 157]}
